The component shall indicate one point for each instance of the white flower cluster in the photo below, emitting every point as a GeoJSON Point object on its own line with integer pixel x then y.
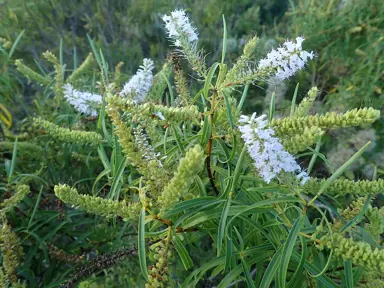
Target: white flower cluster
{"type": "Point", "coordinates": [266, 150]}
{"type": "Point", "coordinates": [287, 59]}
{"type": "Point", "coordinates": [140, 83]}
{"type": "Point", "coordinates": [84, 102]}
{"type": "Point", "coordinates": [146, 149]}
{"type": "Point", "coordinates": [179, 27]}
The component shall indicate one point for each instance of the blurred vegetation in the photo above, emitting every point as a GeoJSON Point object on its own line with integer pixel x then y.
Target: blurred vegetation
{"type": "Point", "coordinates": [347, 35]}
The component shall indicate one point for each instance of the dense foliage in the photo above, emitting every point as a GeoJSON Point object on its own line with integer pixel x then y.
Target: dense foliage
{"type": "Point", "coordinates": [159, 179]}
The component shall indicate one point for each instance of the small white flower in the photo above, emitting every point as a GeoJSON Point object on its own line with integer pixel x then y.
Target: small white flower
{"type": "Point", "coordinates": [146, 149]}
{"type": "Point", "coordinates": [266, 150]}
{"type": "Point", "coordinates": [159, 115]}
{"type": "Point", "coordinates": [140, 83]}
{"type": "Point", "coordinates": [84, 102]}
{"type": "Point", "coordinates": [287, 59]}
{"type": "Point", "coordinates": [179, 28]}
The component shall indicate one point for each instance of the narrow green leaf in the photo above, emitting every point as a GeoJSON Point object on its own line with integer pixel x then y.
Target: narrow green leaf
{"type": "Point", "coordinates": [314, 156]}
{"type": "Point", "coordinates": [208, 81]}
{"type": "Point", "coordinates": [357, 274]}
{"type": "Point", "coordinates": [114, 193]}
{"type": "Point", "coordinates": [141, 245]}
{"type": "Point", "coordinates": [339, 172]}
{"type": "Point", "coordinates": [222, 224]}
{"type": "Point", "coordinates": [243, 97]}
{"type": "Point", "coordinates": [325, 280]}
{"type": "Point", "coordinates": [228, 109]}
{"type": "Point", "coordinates": [170, 89]}
{"type": "Point", "coordinates": [202, 269]}
{"type": "Point", "coordinates": [35, 208]}
{"type": "Point", "coordinates": [61, 52]}
{"type": "Point", "coordinates": [297, 276]}
{"type": "Point", "coordinates": [239, 168]}
{"type": "Point", "coordinates": [293, 104]}
{"type": "Point", "coordinates": [192, 203]}
{"type": "Point", "coordinates": [224, 51]}
{"type": "Point", "coordinates": [75, 59]}
{"type": "Point", "coordinates": [200, 184]}
{"type": "Point", "coordinates": [229, 249]}
{"type": "Point", "coordinates": [205, 132]}
{"type": "Point", "coordinates": [348, 274]}
{"type": "Point", "coordinates": [203, 216]}
{"type": "Point", "coordinates": [241, 240]}
{"type": "Point", "coordinates": [104, 158]}
{"type": "Point", "coordinates": [284, 199]}
{"type": "Point", "coordinates": [13, 162]}
{"type": "Point", "coordinates": [230, 277]}
{"type": "Point", "coordinates": [248, 276]}
{"type": "Point", "coordinates": [271, 270]}
{"type": "Point", "coordinates": [178, 139]}
{"type": "Point", "coordinates": [94, 50]}
{"type": "Point", "coordinates": [272, 107]}
{"type": "Point", "coordinates": [101, 123]}
{"type": "Point", "coordinates": [322, 272]}
{"type": "Point", "coordinates": [98, 178]}
{"type": "Point", "coordinates": [289, 244]}
{"type": "Point", "coordinates": [104, 66]}
{"type": "Point", "coordinates": [183, 253]}
{"type": "Point", "coordinates": [14, 45]}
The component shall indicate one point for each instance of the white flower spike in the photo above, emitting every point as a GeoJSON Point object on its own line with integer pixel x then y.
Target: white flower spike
{"type": "Point", "coordinates": [266, 150]}
{"type": "Point", "coordinates": [140, 83]}
{"type": "Point", "coordinates": [179, 28]}
{"type": "Point", "coordinates": [84, 102]}
{"type": "Point", "coordinates": [287, 59]}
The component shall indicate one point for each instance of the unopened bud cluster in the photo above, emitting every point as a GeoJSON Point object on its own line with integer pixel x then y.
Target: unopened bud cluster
{"type": "Point", "coordinates": [361, 253]}
{"type": "Point", "coordinates": [189, 167]}
{"type": "Point", "coordinates": [158, 274]}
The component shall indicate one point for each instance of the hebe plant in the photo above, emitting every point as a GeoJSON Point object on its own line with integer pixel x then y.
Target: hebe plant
{"type": "Point", "coordinates": [219, 193]}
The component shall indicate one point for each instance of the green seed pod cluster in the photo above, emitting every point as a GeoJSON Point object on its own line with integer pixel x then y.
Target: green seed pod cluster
{"type": "Point", "coordinates": [342, 187]}
{"type": "Point", "coordinates": [306, 104]}
{"type": "Point", "coordinates": [295, 125]}
{"type": "Point", "coordinates": [298, 142]}
{"type": "Point", "coordinates": [155, 176]}
{"type": "Point", "coordinates": [222, 123]}
{"type": "Point", "coordinates": [189, 167]}
{"type": "Point", "coordinates": [67, 135]}
{"type": "Point", "coordinates": [5, 43]}
{"type": "Point", "coordinates": [195, 57]}
{"type": "Point", "coordinates": [85, 284]}
{"type": "Point", "coordinates": [360, 253]}
{"type": "Point", "coordinates": [148, 111]}
{"type": "Point", "coordinates": [353, 209]}
{"type": "Point", "coordinates": [81, 158]}
{"type": "Point", "coordinates": [83, 68]}
{"type": "Point", "coordinates": [22, 136]}
{"type": "Point", "coordinates": [59, 73]}
{"type": "Point", "coordinates": [158, 274]}
{"type": "Point", "coordinates": [21, 191]}
{"type": "Point", "coordinates": [11, 250]}
{"type": "Point", "coordinates": [26, 150]}
{"type": "Point", "coordinates": [349, 213]}
{"type": "Point", "coordinates": [182, 87]}
{"type": "Point", "coordinates": [242, 62]}
{"type": "Point", "coordinates": [159, 83]}
{"type": "Point", "coordinates": [31, 75]}
{"type": "Point", "coordinates": [376, 221]}
{"type": "Point", "coordinates": [372, 283]}
{"type": "Point", "coordinates": [97, 205]}
{"type": "Point", "coordinates": [126, 138]}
